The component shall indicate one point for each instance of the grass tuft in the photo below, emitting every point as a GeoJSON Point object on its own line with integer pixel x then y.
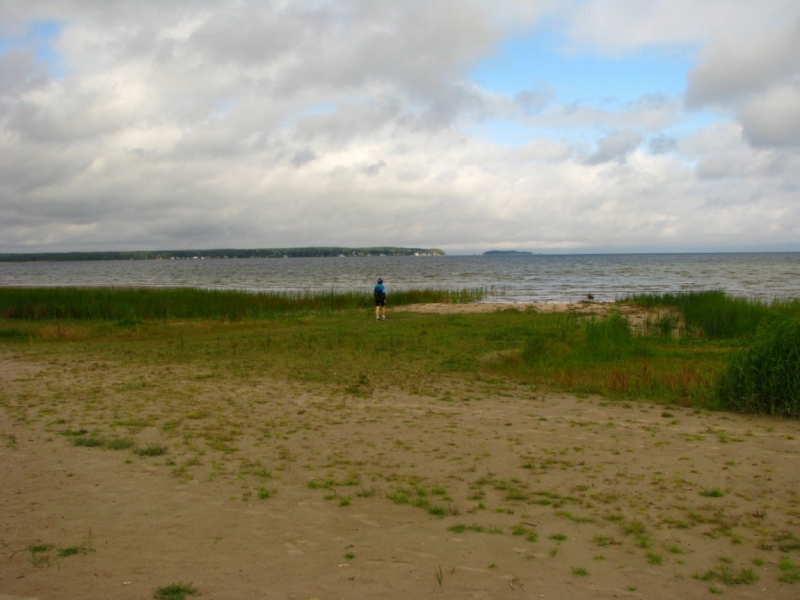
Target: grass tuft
{"type": "Point", "coordinates": [175, 591]}
{"type": "Point", "coordinates": [151, 450]}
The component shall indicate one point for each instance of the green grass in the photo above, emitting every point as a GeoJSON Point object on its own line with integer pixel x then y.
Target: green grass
{"type": "Point", "coordinates": [120, 444]}
{"type": "Point", "coordinates": [765, 376]}
{"type": "Point", "coordinates": [151, 450]}
{"type": "Point", "coordinates": [132, 306]}
{"type": "Point", "coordinates": [89, 442]}
{"type": "Point", "coordinates": [39, 555]}
{"type": "Point", "coordinates": [717, 315]}
{"type": "Point", "coordinates": [726, 576]}
{"type": "Point", "coordinates": [654, 558]}
{"type": "Point", "coordinates": [316, 337]}
{"type": "Point", "coordinates": [474, 528]}
{"type": "Point", "coordinates": [175, 591]}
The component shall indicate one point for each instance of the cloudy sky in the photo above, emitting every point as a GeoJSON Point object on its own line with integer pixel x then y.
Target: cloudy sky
{"type": "Point", "coordinates": [549, 125]}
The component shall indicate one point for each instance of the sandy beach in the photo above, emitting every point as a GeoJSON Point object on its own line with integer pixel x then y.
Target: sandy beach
{"type": "Point", "coordinates": [468, 489]}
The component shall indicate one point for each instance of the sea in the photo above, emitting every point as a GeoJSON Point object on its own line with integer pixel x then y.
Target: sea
{"type": "Point", "coordinates": [507, 278]}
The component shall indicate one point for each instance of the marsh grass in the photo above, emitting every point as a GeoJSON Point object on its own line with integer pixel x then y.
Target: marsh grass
{"type": "Point", "coordinates": [131, 307]}
{"type": "Point", "coordinates": [765, 376]}
{"type": "Point", "coordinates": [606, 356]}
{"type": "Point", "coordinates": [313, 341]}
{"type": "Point", "coordinates": [717, 315]}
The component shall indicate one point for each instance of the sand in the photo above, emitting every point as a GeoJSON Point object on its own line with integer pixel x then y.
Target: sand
{"type": "Point", "coordinates": [541, 495]}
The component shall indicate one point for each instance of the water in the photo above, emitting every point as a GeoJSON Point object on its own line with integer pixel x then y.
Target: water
{"type": "Point", "coordinates": [526, 278]}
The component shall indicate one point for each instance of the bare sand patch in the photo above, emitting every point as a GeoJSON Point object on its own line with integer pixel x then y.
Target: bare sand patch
{"type": "Point", "coordinates": [483, 307]}
{"type": "Point", "coordinates": [280, 489]}
{"type": "Point", "coordinates": [637, 315]}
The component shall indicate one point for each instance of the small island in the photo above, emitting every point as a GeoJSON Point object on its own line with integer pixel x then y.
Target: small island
{"type": "Point", "coordinates": [507, 253]}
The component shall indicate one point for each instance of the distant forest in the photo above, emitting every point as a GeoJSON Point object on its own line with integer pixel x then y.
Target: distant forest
{"type": "Point", "coordinates": [219, 253]}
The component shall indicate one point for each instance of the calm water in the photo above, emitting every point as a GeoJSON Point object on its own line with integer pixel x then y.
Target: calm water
{"type": "Point", "coordinates": [518, 278]}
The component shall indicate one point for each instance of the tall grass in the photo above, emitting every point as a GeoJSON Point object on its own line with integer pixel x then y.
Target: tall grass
{"type": "Point", "coordinates": [605, 355]}
{"type": "Point", "coordinates": [132, 304]}
{"type": "Point", "coordinates": [570, 340]}
{"type": "Point", "coordinates": [765, 377]}
{"type": "Point", "coordinates": [717, 315]}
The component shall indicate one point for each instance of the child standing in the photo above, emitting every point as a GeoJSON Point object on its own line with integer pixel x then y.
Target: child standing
{"type": "Point", "coordinates": [380, 300]}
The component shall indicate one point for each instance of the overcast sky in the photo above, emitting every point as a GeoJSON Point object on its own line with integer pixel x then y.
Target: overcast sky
{"type": "Point", "coordinates": [548, 125]}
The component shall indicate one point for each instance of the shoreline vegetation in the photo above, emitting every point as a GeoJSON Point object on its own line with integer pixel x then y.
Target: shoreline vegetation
{"type": "Point", "coordinates": [229, 253]}
{"type": "Point", "coordinates": [702, 349]}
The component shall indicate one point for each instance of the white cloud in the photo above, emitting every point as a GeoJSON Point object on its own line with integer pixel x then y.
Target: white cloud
{"type": "Point", "coordinates": [345, 122]}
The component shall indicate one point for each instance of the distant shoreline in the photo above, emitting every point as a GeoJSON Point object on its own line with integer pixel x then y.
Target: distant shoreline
{"type": "Point", "coordinates": [224, 253]}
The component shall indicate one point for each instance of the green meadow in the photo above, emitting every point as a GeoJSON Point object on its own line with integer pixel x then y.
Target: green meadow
{"type": "Point", "coordinates": [701, 349]}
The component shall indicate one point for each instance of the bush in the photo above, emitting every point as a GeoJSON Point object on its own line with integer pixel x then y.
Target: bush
{"type": "Point", "coordinates": [765, 377]}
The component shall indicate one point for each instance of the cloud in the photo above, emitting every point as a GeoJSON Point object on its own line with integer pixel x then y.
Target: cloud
{"type": "Point", "coordinates": [615, 146]}
{"type": "Point", "coordinates": [351, 122]}
{"type": "Point", "coordinates": [651, 112]}
{"type": "Point", "coordinates": [758, 79]}
{"type": "Point", "coordinates": [20, 73]}
{"type": "Point", "coordinates": [620, 26]}
{"type": "Point", "coordinates": [773, 118]}
{"type": "Point", "coordinates": [732, 67]}
{"type": "Point", "coordinates": [303, 157]}
{"type": "Point", "coordinates": [661, 144]}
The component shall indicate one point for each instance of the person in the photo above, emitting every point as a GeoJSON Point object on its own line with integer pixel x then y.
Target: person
{"type": "Point", "coordinates": [380, 300]}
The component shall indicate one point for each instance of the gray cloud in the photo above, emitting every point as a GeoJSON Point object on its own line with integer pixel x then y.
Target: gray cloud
{"type": "Point", "coordinates": [756, 77]}
{"type": "Point", "coordinates": [773, 118]}
{"type": "Point", "coordinates": [615, 146]}
{"type": "Point", "coordinates": [20, 73]}
{"type": "Point", "coordinates": [303, 157]}
{"type": "Point", "coordinates": [735, 66]}
{"type": "Point", "coordinates": [661, 144]}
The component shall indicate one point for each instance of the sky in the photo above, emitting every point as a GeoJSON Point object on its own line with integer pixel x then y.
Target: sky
{"type": "Point", "coordinates": [544, 125]}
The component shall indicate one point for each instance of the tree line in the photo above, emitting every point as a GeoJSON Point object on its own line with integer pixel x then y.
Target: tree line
{"type": "Point", "coordinates": [218, 253]}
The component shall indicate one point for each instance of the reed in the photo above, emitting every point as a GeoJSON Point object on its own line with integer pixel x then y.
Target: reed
{"type": "Point", "coordinates": [765, 377]}
{"type": "Point", "coordinates": [130, 305]}
{"type": "Point", "coordinates": [717, 315]}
